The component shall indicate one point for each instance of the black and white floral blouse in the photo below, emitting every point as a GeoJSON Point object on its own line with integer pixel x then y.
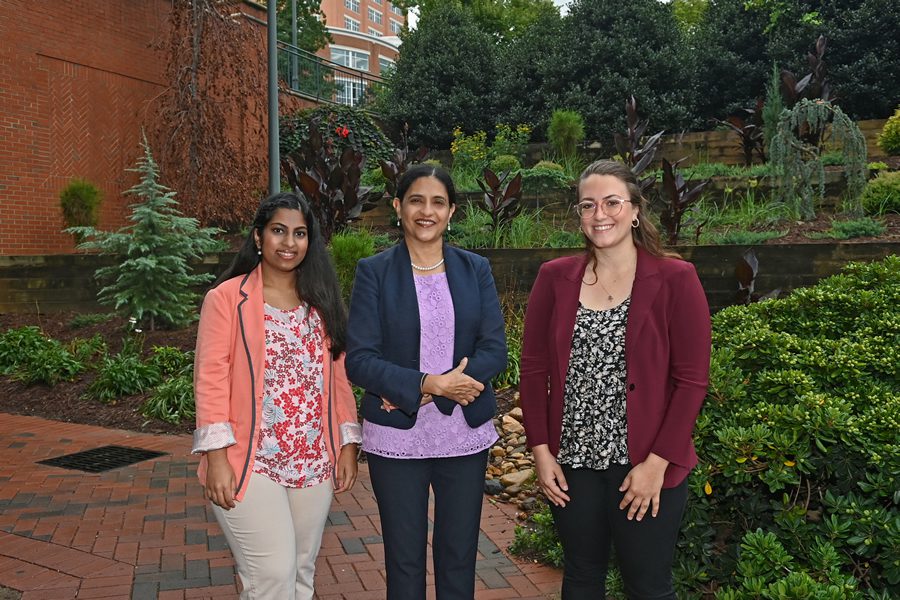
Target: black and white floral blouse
{"type": "Point", "coordinates": [594, 431]}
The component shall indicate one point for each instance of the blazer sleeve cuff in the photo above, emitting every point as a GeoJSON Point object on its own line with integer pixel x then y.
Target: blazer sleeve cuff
{"type": "Point", "coordinates": [213, 437]}
{"type": "Point", "coordinates": [351, 433]}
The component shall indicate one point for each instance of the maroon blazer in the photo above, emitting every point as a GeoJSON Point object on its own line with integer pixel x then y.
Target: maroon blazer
{"type": "Point", "coordinates": [667, 347]}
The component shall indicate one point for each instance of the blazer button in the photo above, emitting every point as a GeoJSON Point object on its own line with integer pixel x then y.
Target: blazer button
{"type": "Point", "coordinates": [631, 388]}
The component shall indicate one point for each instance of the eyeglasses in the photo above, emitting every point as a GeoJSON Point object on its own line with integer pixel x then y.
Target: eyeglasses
{"type": "Point", "coordinates": [611, 207]}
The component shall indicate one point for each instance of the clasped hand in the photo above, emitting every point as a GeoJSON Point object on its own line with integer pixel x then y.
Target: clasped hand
{"type": "Point", "coordinates": [455, 385]}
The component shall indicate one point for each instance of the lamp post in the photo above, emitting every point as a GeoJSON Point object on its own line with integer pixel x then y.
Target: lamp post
{"type": "Point", "coordinates": [274, 158]}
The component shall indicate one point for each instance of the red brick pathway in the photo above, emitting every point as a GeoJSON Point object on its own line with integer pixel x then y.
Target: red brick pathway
{"type": "Point", "coordinates": [143, 531]}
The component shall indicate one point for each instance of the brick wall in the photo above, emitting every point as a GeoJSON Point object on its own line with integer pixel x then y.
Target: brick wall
{"type": "Point", "coordinates": [78, 81]}
{"type": "Point", "coordinates": [75, 82]}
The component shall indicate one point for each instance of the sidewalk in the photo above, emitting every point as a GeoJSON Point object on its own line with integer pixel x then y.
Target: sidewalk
{"type": "Point", "coordinates": [143, 531]}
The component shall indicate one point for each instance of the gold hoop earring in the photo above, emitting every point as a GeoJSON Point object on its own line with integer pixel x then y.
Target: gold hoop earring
{"type": "Point", "coordinates": [635, 223]}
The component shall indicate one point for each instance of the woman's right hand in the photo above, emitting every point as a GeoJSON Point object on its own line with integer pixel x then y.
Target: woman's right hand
{"type": "Point", "coordinates": [455, 385]}
{"type": "Point", "coordinates": [550, 475]}
{"type": "Point", "coordinates": [220, 480]}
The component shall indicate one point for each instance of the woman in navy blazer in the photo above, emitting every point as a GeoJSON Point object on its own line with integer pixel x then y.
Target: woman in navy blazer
{"type": "Point", "coordinates": [425, 337]}
{"type": "Point", "coordinates": [614, 370]}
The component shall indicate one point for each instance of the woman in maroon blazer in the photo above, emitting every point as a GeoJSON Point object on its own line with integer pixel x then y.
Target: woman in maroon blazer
{"type": "Point", "coordinates": [614, 370]}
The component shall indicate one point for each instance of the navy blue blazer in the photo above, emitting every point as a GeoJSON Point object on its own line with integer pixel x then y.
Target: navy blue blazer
{"type": "Point", "coordinates": [383, 334]}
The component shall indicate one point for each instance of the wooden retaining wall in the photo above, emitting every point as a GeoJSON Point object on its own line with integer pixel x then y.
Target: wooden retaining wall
{"type": "Point", "coordinates": [65, 282]}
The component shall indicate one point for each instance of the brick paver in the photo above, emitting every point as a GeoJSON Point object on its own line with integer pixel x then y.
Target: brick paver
{"type": "Point", "coordinates": [145, 532]}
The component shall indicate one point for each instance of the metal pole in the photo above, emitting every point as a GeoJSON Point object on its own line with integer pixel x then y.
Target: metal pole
{"type": "Point", "coordinates": [274, 158]}
{"type": "Point", "coordinates": [295, 77]}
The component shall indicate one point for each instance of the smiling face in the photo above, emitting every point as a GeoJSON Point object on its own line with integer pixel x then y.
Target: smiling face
{"type": "Point", "coordinates": [601, 229]}
{"type": "Point", "coordinates": [425, 211]}
{"type": "Point", "coordinates": [284, 240]}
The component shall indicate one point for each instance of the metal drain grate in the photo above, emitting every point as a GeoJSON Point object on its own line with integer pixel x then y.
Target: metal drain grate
{"type": "Point", "coordinates": [101, 459]}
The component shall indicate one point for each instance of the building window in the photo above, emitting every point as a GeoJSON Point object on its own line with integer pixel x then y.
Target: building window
{"type": "Point", "coordinates": [396, 27]}
{"type": "Point", "coordinates": [375, 32]}
{"type": "Point", "coordinates": [351, 24]}
{"type": "Point", "coordinates": [376, 2]}
{"type": "Point", "coordinates": [385, 65]}
{"type": "Point", "coordinates": [349, 91]}
{"type": "Point", "coordinates": [350, 58]}
{"type": "Point", "coordinates": [352, 5]}
{"type": "Point", "coordinates": [375, 16]}
{"type": "Point", "coordinates": [396, 11]}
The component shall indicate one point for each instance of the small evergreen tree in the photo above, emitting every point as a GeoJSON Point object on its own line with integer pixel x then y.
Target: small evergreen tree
{"type": "Point", "coordinates": [153, 280]}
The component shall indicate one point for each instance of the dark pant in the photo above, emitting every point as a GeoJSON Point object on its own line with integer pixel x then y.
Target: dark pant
{"type": "Point", "coordinates": [592, 520]}
{"type": "Point", "coordinates": [401, 490]}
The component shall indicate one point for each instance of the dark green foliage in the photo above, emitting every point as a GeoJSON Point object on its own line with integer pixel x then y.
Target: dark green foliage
{"type": "Point", "coordinates": [610, 50]}
{"type": "Point", "coordinates": [80, 201]}
{"type": "Point", "coordinates": [169, 361]}
{"type": "Point", "coordinates": [88, 350]}
{"type": "Point", "coordinates": [514, 321]}
{"type": "Point", "coordinates": [341, 127]}
{"type": "Point", "coordinates": [882, 194]}
{"type": "Point", "coordinates": [445, 75]}
{"type": "Point", "coordinates": [172, 400]}
{"type": "Point", "coordinates": [123, 374]}
{"type": "Point", "coordinates": [889, 138]}
{"type": "Point", "coordinates": [772, 107]}
{"type": "Point", "coordinates": [393, 168]}
{"type": "Point", "coordinates": [539, 539]}
{"type": "Point", "coordinates": [347, 249]}
{"type": "Point", "coordinates": [50, 364]}
{"type": "Point", "coordinates": [740, 237]}
{"type": "Point", "coordinates": [153, 280]}
{"type": "Point", "coordinates": [311, 31]}
{"type": "Point", "coordinates": [16, 345]}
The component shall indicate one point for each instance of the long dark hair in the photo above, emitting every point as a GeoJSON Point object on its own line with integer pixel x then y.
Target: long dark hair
{"type": "Point", "coordinates": [317, 283]}
{"type": "Point", "coordinates": [645, 235]}
{"type": "Point", "coordinates": [422, 170]}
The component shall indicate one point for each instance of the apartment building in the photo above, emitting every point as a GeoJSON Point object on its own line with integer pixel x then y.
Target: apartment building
{"type": "Point", "coordinates": [366, 38]}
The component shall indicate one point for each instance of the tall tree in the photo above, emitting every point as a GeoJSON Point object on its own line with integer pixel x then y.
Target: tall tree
{"type": "Point", "coordinates": [445, 76]}
{"type": "Point", "coordinates": [311, 31]}
{"type": "Point", "coordinates": [503, 19]}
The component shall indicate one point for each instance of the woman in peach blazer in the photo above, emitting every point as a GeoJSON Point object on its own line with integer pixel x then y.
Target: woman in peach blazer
{"type": "Point", "coordinates": [276, 418]}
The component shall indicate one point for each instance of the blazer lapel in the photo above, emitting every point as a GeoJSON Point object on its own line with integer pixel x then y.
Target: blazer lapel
{"type": "Point", "coordinates": [462, 294]}
{"type": "Point", "coordinates": [643, 292]}
{"type": "Point", "coordinates": [403, 297]}
{"type": "Point", "coordinates": [567, 294]}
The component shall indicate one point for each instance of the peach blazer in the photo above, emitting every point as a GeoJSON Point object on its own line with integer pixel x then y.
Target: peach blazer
{"type": "Point", "coordinates": [228, 380]}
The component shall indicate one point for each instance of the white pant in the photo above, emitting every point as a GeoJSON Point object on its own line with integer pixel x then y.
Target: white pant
{"type": "Point", "coordinates": [274, 561]}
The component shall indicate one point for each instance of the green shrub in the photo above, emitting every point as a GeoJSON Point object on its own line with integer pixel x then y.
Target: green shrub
{"type": "Point", "coordinates": [538, 179]}
{"type": "Point", "coordinates": [510, 141]}
{"type": "Point", "coordinates": [81, 321]}
{"type": "Point", "coordinates": [433, 162]}
{"type": "Point", "coordinates": [51, 364]}
{"type": "Point", "coordinates": [473, 229]}
{"type": "Point", "coordinates": [80, 202]}
{"type": "Point", "coordinates": [170, 361]}
{"type": "Point", "coordinates": [88, 350]}
{"type": "Point", "coordinates": [796, 492]}
{"type": "Point", "coordinates": [562, 238]}
{"type": "Point", "coordinates": [347, 249]}
{"type": "Point", "coordinates": [539, 539]}
{"type": "Point", "coordinates": [549, 165]}
{"type": "Point", "coordinates": [17, 345]}
{"type": "Point", "coordinates": [889, 138]}
{"type": "Point", "coordinates": [882, 194]}
{"type": "Point", "coordinates": [854, 228]}
{"type": "Point", "coordinates": [505, 162]}
{"type": "Point", "coordinates": [514, 319]}
{"type": "Point", "coordinates": [123, 374]}
{"type": "Point", "coordinates": [341, 127]}
{"type": "Point", "coordinates": [172, 401]}
{"type": "Point", "coordinates": [565, 131]}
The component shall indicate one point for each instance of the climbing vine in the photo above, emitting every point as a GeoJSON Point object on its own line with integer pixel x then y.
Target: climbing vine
{"type": "Point", "coordinates": [210, 122]}
{"type": "Point", "coordinates": [799, 163]}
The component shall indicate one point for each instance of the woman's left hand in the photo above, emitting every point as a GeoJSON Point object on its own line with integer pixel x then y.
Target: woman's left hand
{"type": "Point", "coordinates": [642, 486]}
{"type": "Point", "coordinates": [346, 469]}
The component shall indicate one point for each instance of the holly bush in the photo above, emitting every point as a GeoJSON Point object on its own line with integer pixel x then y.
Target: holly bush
{"type": "Point", "coordinates": [797, 494]}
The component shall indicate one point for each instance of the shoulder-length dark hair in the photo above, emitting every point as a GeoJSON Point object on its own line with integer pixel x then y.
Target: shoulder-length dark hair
{"type": "Point", "coordinates": [645, 235]}
{"type": "Point", "coordinates": [317, 283]}
{"type": "Point", "coordinates": [422, 170]}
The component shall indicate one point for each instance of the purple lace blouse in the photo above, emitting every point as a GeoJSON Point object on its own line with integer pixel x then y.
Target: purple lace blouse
{"type": "Point", "coordinates": [434, 435]}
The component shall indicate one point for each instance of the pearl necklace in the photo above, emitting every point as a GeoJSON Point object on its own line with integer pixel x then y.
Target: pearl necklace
{"type": "Point", "coordinates": [431, 268]}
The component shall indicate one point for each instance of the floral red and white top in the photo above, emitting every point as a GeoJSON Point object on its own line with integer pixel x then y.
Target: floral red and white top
{"type": "Point", "coordinates": [291, 449]}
